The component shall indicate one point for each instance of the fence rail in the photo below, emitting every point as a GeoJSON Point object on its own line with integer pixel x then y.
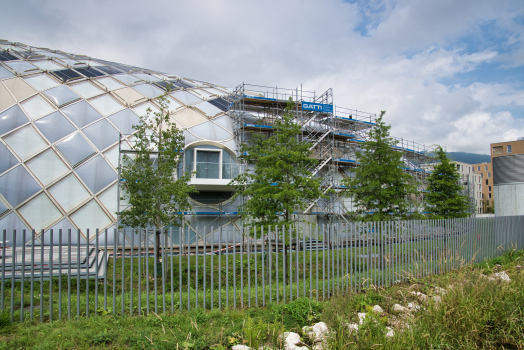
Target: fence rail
{"type": "Point", "coordinates": [56, 275]}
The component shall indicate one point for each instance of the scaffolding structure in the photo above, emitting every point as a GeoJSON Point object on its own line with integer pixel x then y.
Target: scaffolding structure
{"type": "Point", "coordinates": [335, 137]}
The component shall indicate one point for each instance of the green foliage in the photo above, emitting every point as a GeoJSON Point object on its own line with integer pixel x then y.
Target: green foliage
{"type": "Point", "coordinates": [5, 320]}
{"type": "Point", "coordinates": [445, 199]}
{"type": "Point", "coordinates": [301, 311]}
{"type": "Point", "coordinates": [156, 196]}
{"type": "Point", "coordinates": [103, 338]}
{"type": "Point", "coordinates": [380, 187]}
{"type": "Point", "coordinates": [280, 183]}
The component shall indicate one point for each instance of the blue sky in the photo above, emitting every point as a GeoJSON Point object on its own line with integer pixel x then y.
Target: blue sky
{"type": "Point", "coordinates": [446, 72]}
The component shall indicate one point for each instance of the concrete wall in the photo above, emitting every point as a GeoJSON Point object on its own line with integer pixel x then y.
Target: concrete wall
{"type": "Point", "coordinates": [509, 199]}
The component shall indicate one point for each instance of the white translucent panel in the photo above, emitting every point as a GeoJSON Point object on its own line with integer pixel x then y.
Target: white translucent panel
{"type": "Point", "coordinates": [91, 217]}
{"type": "Point", "coordinates": [61, 95]}
{"type": "Point", "coordinates": [210, 131]}
{"type": "Point", "coordinates": [91, 63]}
{"type": "Point", "coordinates": [96, 173]}
{"type": "Point", "coordinates": [112, 156]}
{"type": "Point", "coordinates": [47, 167]}
{"type": "Point", "coordinates": [65, 226]}
{"type": "Point", "coordinates": [102, 134]}
{"type": "Point", "coordinates": [69, 193]}
{"type": "Point", "coordinates": [124, 121]}
{"type": "Point", "coordinates": [70, 62]}
{"type": "Point", "coordinates": [47, 65]}
{"type": "Point", "coordinates": [110, 83]}
{"type": "Point", "coordinates": [106, 104]}
{"type": "Point", "coordinates": [146, 77]}
{"type": "Point", "coordinates": [41, 82]}
{"type": "Point", "coordinates": [142, 109]}
{"type": "Point", "coordinates": [173, 104]}
{"type": "Point", "coordinates": [40, 212]}
{"type": "Point", "coordinates": [8, 159]}
{"type": "Point", "coordinates": [225, 122]}
{"type": "Point", "coordinates": [6, 100]}
{"type": "Point", "coordinates": [37, 107]}
{"type": "Point", "coordinates": [189, 137]}
{"type": "Point", "coordinates": [189, 117]}
{"type": "Point", "coordinates": [17, 185]}
{"type": "Point", "coordinates": [4, 73]}
{"type": "Point", "coordinates": [129, 95]}
{"type": "Point", "coordinates": [25, 142]}
{"type": "Point", "coordinates": [3, 207]}
{"type": "Point", "coordinates": [19, 88]}
{"type": "Point", "coordinates": [127, 79]}
{"type": "Point", "coordinates": [75, 148]}
{"type": "Point", "coordinates": [14, 223]}
{"type": "Point", "coordinates": [148, 90]}
{"type": "Point", "coordinates": [86, 89]}
{"type": "Point", "coordinates": [186, 98]}
{"type": "Point", "coordinates": [109, 199]}
{"type": "Point", "coordinates": [21, 66]}
{"type": "Point", "coordinates": [109, 238]}
{"type": "Point", "coordinates": [55, 126]}
{"type": "Point", "coordinates": [216, 91]}
{"type": "Point", "coordinates": [201, 93]}
{"type": "Point", "coordinates": [81, 113]}
{"type": "Point", "coordinates": [208, 108]}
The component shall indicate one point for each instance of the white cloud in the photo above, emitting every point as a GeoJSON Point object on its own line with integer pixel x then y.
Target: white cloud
{"type": "Point", "coordinates": [408, 49]}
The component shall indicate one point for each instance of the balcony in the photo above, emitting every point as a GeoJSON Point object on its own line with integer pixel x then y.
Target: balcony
{"type": "Point", "coordinates": [209, 176]}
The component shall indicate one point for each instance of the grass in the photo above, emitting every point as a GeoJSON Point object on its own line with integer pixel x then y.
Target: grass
{"type": "Point", "coordinates": [474, 314]}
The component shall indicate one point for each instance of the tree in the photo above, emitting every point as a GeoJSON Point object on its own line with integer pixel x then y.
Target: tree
{"type": "Point", "coordinates": [157, 197]}
{"type": "Point", "coordinates": [280, 183]}
{"type": "Point", "coordinates": [380, 187]}
{"type": "Point", "coordinates": [445, 198]}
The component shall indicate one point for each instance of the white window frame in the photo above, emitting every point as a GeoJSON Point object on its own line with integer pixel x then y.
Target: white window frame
{"type": "Point", "coordinates": [208, 150]}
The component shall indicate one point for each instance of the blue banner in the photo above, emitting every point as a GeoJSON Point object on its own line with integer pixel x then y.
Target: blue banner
{"type": "Point", "coordinates": [318, 107]}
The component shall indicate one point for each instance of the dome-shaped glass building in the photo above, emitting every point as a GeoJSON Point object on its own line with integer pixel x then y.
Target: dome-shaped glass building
{"type": "Point", "coordinates": [62, 120]}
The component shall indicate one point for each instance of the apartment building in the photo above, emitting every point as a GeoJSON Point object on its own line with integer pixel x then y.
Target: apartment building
{"type": "Point", "coordinates": [485, 171]}
{"type": "Point", "coordinates": [471, 182]}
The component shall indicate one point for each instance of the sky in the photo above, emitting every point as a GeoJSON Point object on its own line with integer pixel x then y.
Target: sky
{"type": "Point", "coordinates": [446, 72]}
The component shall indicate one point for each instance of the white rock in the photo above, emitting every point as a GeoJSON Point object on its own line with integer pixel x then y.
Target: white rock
{"type": "Point", "coordinates": [501, 276]}
{"type": "Point", "coordinates": [241, 347]}
{"type": "Point", "coordinates": [413, 307]}
{"type": "Point", "coordinates": [316, 332]}
{"type": "Point", "coordinates": [397, 308]}
{"type": "Point", "coordinates": [420, 296]}
{"type": "Point", "coordinates": [390, 333]}
{"type": "Point", "coordinates": [292, 341]}
{"type": "Point", "coordinates": [361, 317]}
{"type": "Point", "coordinates": [439, 290]}
{"type": "Point", "coordinates": [377, 309]}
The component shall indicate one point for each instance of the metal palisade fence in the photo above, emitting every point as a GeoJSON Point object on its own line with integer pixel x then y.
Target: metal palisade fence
{"type": "Point", "coordinates": [56, 275]}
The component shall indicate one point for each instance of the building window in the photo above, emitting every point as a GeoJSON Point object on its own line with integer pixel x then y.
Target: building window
{"type": "Point", "coordinates": [489, 174]}
{"type": "Point", "coordinates": [509, 148]}
{"type": "Point", "coordinates": [496, 150]}
{"type": "Point", "coordinates": [489, 195]}
{"type": "Point", "coordinates": [486, 181]}
{"type": "Point", "coordinates": [489, 188]}
{"type": "Point", "coordinates": [210, 162]}
{"type": "Point", "coordinates": [478, 168]}
{"type": "Point", "coordinates": [458, 167]}
{"type": "Point", "coordinates": [485, 168]}
{"type": "Point", "coordinates": [481, 175]}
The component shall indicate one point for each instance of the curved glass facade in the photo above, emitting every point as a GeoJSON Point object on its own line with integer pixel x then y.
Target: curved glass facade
{"type": "Point", "coordinates": [61, 116]}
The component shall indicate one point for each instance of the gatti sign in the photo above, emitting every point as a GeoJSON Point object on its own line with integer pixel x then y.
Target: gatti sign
{"type": "Point", "coordinates": [318, 107]}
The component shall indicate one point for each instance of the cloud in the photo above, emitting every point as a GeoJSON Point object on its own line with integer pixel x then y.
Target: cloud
{"type": "Point", "coordinates": [376, 55]}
